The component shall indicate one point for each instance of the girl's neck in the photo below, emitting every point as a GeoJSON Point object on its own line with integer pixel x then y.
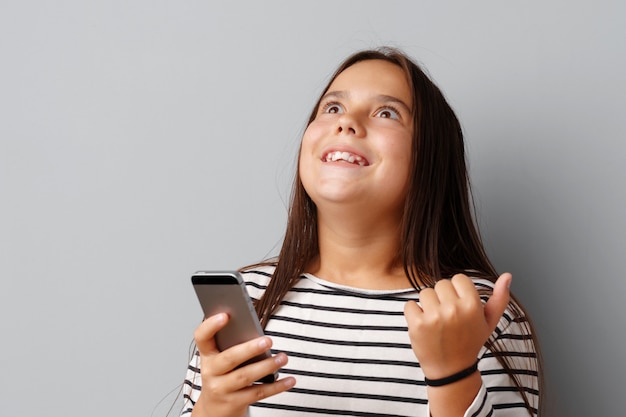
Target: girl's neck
{"type": "Point", "coordinates": [359, 252]}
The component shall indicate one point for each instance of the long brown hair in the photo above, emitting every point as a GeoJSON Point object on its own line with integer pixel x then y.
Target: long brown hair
{"type": "Point", "coordinates": [438, 235]}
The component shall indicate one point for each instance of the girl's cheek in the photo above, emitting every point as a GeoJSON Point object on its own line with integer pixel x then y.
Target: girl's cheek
{"type": "Point", "coordinates": [309, 133]}
{"type": "Point", "coordinates": [312, 135]}
{"type": "Point", "coordinates": [319, 127]}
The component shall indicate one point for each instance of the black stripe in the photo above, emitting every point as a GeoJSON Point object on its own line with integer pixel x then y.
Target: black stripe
{"type": "Point", "coordinates": [192, 385]}
{"type": "Point", "coordinates": [531, 355]}
{"type": "Point", "coordinates": [393, 399]}
{"type": "Point", "coordinates": [482, 405]}
{"type": "Point", "coordinates": [255, 285]}
{"type": "Point", "coordinates": [352, 360]}
{"type": "Point", "coordinates": [510, 336]}
{"type": "Point", "coordinates": [501, 371]}
{"type": "Point", "coordinates": [508, 406]}
{"type": "Point", "coordinates": [368, 378]}
{"type": "Point", "coordinates": [343, 309]}
{"type": "Point", "coordinates": [333, 292]}
{"type": "Point", "coordinates": [325, 411]}
{"type": "Point", "coordinates": [513, 389]}
{"type": "Point", "coordinates": [520, 319]}
{"type": "Point", "coordinates": [507, 317]}
{"type": "Point", "coordinates": [403, 329]}
{"type": "Point", "coordinates": [187, 397]}
{"type": "Point", "coordinates": [256, 271]}
{"type": "Point", "coordinates": [338, 342]}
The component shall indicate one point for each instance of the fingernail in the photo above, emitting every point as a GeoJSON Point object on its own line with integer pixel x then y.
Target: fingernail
{"type": "Point", "coordinates": [264, 343]}
{"type": "Point", "coordinates": [280, 359]}
{"type": "Point", "coordinates": [219, 318]}
{"type": "Point", "coordinates": [289, 382]}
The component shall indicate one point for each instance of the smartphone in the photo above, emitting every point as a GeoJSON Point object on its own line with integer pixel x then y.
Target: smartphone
{"type": "Point", "coordinates": [225, 292]}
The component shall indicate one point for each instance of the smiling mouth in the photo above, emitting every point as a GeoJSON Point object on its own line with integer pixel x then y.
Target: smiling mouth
{"type": "Point", "coordinates": [336, 156]}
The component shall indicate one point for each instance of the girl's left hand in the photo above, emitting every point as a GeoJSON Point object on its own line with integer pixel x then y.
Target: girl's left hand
{"type": "Point", "coordinates": [452, 324]}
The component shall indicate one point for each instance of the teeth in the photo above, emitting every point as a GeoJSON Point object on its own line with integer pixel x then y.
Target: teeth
{"type": "Point", "coordinates": [344, 156]}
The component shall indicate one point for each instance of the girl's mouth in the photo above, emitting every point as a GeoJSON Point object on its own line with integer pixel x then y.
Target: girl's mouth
{"type": "Point", "coordinates": [335, 156]}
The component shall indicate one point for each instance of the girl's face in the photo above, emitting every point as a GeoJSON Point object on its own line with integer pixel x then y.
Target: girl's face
{"type": "Point", "coordinates": [358, 148]}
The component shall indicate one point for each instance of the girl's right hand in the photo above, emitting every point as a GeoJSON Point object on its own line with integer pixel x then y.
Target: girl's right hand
{"type": "Point", "coordinates": [227, 390]}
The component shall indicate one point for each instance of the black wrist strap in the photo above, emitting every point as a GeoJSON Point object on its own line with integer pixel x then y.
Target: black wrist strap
{"type": "Point", "coordinates": [452, 378]}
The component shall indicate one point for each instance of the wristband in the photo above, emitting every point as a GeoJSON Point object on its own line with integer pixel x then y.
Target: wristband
{"type": "Point", "coordinates": [452, 378]}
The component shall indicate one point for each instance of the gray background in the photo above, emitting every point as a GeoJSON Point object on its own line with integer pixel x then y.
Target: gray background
{"type": "Point", "coordinates": [143, 140]}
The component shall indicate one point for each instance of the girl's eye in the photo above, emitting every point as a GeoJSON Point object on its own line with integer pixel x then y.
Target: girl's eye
{"type": "Point", "coordinates": [388, 113]}
{"type": "Point", "coordinates": [332, 108]}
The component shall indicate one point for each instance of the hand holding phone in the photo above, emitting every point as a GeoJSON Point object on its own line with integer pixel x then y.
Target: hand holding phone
{"type": "Point", "coordinates": [225, 292]}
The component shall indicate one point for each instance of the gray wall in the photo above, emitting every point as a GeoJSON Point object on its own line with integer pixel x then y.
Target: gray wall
{"type": "Point", "coordinates": [141, 141]}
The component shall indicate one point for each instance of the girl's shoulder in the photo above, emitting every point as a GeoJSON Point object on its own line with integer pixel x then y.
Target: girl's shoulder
{"type": "Point", "coordinates": [514, 320]}
{"type": "Point", "coordinates": [256, 278]}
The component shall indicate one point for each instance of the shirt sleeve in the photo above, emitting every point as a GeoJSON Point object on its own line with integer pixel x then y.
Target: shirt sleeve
{"type": "Point", "coordinates": [192, 386]}
{"type": "Point", "coordinates": [499, 395]}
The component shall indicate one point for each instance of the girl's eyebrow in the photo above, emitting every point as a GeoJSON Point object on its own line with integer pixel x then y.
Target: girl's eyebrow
{"type": "Point", "coordinates": [382, 98]}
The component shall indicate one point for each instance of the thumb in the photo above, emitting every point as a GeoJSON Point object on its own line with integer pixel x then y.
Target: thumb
{"type": "Point", "coordinates": [498, 301]}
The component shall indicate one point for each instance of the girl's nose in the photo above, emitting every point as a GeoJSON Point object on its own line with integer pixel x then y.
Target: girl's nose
{"type": "Point", "coordinates": [350, 125]}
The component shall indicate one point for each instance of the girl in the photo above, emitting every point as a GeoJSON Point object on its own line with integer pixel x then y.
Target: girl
{"type": "Point", "coordinates": [382, 301]}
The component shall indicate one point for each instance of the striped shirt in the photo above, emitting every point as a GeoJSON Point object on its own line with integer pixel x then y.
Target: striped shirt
{"type": "Point", "coordinates": [350, 353]}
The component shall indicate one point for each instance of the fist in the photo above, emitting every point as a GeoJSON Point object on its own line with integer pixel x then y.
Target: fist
{"type": "Point", "coordinates": [450, 325]}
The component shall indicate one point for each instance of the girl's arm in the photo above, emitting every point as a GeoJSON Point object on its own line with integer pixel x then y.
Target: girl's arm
{"type": "Point", "coordinates": [447, 334]}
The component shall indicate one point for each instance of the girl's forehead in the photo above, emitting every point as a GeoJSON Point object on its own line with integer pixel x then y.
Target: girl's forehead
{"type": "Point", "coordinates": [373, 77]}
